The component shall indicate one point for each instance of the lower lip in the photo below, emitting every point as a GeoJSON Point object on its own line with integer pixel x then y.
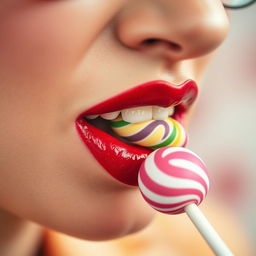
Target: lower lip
{"type": "Point", "coordinates": [120, 160]}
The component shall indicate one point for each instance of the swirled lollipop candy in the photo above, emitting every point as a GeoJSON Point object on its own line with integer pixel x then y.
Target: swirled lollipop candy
{"type": "Point", "coordinates": [174, 180]}
{"type": "Point", "coordinates": [152, 133]}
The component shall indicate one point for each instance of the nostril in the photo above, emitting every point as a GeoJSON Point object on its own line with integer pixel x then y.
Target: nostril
{"type": "Point", "coordinates": [154, 41]}
{"type": "Point", "coordinates": [150, 41]}
{"type": "Point", "coordinates": [174, 46]}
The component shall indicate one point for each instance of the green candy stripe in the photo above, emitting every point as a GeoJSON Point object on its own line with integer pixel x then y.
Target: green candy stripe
{"type": "Point", "coordinates": [119, 123]}
{"type": "Point", "coordinates": [168, 141]}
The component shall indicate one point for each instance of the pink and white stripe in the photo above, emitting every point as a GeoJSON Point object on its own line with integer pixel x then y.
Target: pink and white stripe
{"type": "Point", "coordinates": [173, 177]}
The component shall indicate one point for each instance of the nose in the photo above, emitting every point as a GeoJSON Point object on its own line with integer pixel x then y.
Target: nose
{"type": "Point", "coordinates": [172, 28]}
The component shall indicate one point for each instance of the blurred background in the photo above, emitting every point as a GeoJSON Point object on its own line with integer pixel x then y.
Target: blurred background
{"type": "Point", "coordinates": [223, 127]}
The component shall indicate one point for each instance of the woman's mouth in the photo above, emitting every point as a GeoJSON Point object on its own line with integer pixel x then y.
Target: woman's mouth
{"type": "Point", "coordinates": [153, 100]}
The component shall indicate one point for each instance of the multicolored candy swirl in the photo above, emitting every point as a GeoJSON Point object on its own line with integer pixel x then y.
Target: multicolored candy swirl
{"type": "Point", "coordinates": [153, 133]}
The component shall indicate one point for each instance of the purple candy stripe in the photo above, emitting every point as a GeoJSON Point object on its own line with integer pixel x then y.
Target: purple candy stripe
{"type": "Point", "coordinates": [146, 131]}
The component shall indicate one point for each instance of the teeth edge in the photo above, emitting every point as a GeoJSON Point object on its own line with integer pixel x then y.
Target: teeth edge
{"type": "Point", "coordinates": [110, 115]}
{"type": "Point", "coordinates": [138, 114]}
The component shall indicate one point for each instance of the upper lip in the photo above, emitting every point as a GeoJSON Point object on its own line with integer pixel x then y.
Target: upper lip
{"type": "Point", "coordinates": [158, 93]}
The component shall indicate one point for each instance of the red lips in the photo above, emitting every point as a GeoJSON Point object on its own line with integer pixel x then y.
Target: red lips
{"type": "Point", "coordinates": [121, 160]}
{"type": "Point", "coordinates": [158, 93]}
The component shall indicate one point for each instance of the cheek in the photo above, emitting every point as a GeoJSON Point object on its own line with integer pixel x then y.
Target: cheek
{"type": "Point", "coordinates": [42, 43]}
{"type": "Point", "coordinates": [47, 38]}
{"type": "Point", "coordinates": [37, 51]}
{"type": "Point", "coordinates": [37, 43]}
{"type": "Point", "coordinates": [200, 64]}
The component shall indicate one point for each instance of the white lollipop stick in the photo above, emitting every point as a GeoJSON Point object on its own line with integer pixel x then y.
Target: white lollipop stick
{"type": "Point", "coordinates": [174, 180]}
{"type": "Point", "coordinates": [207, 231]}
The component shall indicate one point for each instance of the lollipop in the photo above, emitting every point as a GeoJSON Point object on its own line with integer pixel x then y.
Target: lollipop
{"type": "Point", "coordinates": [153, 133]}
{"type": "Point", "coordinates": [174, 180]}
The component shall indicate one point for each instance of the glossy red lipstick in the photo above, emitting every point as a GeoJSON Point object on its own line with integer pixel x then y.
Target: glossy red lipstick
{"type": "Point", "coordinates": [120, 160]}
{"type": "Point", "coordinates": [158, 93]}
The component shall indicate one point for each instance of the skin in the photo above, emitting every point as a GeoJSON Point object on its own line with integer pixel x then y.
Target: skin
{"type": "Point", "coordinates": [57, 59]}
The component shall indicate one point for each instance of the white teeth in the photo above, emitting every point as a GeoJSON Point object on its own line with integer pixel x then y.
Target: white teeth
{"type": "Point", "coordinates": [92, 116]}
{"type": "Point", "coordinates": [170, 110]}
{"type": "Point", "coordinates": [111, 115]}
{"type": "Point", "coordinates": [160, 113]}
{"type": "Point", "coordinates": [138, 114]}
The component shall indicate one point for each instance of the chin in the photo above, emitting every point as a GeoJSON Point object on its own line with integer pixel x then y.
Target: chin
{"type": "Point", "coordinates": [122, 227]}
{"type": "Point", "coordinates": [127, 213]}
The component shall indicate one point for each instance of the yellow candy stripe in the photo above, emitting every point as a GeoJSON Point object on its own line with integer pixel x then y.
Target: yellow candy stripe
{"type": "Point", "coordinates": [130, 128]}
{"type": "Point", "coordinates": [153, 138]}
{"type": "Point", "coordinates": [181, 135]}
{"type": "Point", "coordinates": [152, 133]}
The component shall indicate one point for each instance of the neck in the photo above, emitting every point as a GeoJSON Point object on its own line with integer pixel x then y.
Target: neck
{"type": "Point", "coordinates": [18, 237]}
